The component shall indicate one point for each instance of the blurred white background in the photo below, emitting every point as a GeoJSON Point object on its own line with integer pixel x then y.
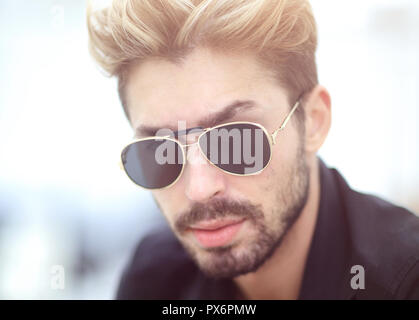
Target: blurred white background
{"type": "Point", "coordinates": [64, 201]}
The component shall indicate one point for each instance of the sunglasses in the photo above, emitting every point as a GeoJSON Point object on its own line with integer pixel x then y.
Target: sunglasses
{"type": "Point", "coordinates": [237, 148]}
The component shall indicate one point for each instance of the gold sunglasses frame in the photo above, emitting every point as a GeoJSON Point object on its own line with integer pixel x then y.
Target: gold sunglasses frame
{"type": "Point", "coordinates": [271, 138]}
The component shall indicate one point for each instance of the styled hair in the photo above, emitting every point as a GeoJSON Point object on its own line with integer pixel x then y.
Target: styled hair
{"type": "Point", "coordinates": [281, 33]}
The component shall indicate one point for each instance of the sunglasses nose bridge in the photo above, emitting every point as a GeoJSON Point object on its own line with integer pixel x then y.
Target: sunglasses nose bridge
{"type": "Point", "coordinates": [196, 137]}
{"type": "Point", "coordinates": [194, 156]}
{"type": "Point", "coordinates": [189, 144]}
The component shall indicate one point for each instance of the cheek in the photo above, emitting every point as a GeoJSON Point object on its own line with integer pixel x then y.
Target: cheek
{"type": "Point", "coordinates": [258, 189]}
{"type": "Point", "coordinates": [166, 202]}
{"type": "Point", "coordinates": [284, 152]}
{"type": "Point", "coordinates": [171, 201]}
{"type": "Point", "coordinates": [263, 188]}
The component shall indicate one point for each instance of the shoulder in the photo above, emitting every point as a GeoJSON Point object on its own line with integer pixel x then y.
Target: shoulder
{"type": "Point", "coordinates": [384, 240]}
{"type": "Point", "coordinates": [159, 268]}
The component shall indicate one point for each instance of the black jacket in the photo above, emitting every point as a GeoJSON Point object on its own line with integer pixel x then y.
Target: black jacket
{"type": "Point", "coordinates": [352, 229]}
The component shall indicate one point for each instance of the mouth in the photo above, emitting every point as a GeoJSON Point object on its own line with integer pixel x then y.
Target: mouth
{"type": "Point", "coordinates": [216, 233]}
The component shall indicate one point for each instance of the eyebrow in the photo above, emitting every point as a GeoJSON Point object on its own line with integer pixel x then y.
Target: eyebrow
{"type": "Point", "coordinates": [228, 112]}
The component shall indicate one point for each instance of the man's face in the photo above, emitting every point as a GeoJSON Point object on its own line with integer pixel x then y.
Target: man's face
{"type": "Point", "coordinates": [229, 224]}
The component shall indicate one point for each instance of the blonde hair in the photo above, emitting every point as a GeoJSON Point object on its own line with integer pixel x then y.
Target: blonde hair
{"type": "Point", "coordinates": [282, 34]}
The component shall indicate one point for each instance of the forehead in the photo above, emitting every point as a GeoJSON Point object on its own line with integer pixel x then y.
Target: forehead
{"type": "Point", "coordinates": [160, 93]}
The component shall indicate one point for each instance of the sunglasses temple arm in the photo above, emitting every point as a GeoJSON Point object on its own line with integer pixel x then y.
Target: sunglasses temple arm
{"type": "Point", "coordinates": [284, 123]}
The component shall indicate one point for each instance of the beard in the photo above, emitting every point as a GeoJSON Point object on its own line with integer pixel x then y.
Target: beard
{"type": "Point", "coordinates": [241, 258]}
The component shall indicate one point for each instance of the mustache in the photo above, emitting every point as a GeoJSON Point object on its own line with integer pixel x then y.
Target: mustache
{"type": "Point", "coordinates": [218, 208]}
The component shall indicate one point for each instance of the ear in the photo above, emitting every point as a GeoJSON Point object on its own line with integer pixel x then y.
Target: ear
{"type": "Point", "coordinates": [318, 118]}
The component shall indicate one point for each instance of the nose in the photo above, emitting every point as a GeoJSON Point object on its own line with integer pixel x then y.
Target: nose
{"type": "Point", "coordinates": [203, 180]}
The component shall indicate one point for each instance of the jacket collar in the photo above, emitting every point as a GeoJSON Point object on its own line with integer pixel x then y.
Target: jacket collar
{"type": "Point", "coordinates": [327, 271]}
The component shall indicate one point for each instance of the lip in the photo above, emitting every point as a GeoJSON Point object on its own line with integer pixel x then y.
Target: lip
{"type": "Point", "coordinates": [216, 233]}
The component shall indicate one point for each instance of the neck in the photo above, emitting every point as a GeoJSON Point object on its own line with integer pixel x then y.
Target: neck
{"type": "Point", "coordinates": [280, 277]}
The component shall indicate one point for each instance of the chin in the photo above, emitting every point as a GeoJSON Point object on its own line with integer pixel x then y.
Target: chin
{"type": "Point", "coordinates": [235, 259]}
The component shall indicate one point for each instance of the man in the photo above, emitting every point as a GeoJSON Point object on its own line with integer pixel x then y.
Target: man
{"type": "Point", "coordinates": [195, 75]}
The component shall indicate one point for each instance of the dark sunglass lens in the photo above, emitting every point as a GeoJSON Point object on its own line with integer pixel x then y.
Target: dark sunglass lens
{"type": "Point", "coordinates": [153, 163]}
{"type": "Point", "coordinates": [241, 148]}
